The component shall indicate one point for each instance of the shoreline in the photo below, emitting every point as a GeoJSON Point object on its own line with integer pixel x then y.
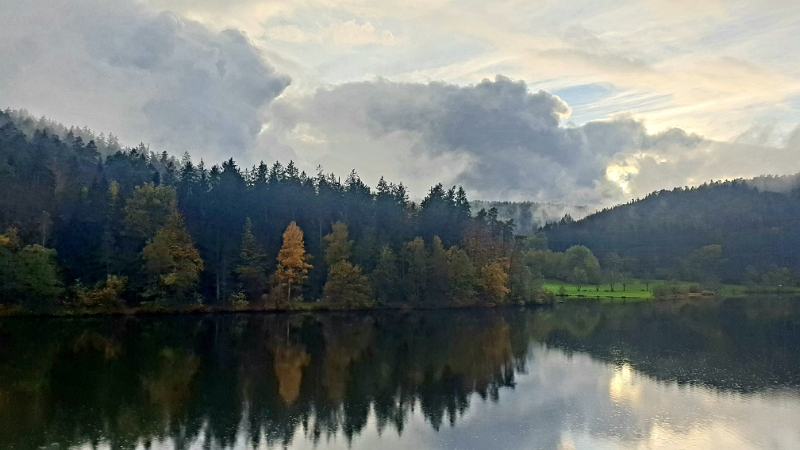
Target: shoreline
{"type": "Point", "coordinates": [552, 299]}
{"type": "Point", "coordinates": [197, 310]}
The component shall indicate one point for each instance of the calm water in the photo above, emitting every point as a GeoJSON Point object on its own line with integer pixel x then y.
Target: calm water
{"type": "Point", "coordinates": [709, 374]}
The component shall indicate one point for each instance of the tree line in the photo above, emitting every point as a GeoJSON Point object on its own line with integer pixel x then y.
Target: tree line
{"type": "Point", "coordinates": [134, 227]}
{"type": "Point", "coordinates": [88, 227]}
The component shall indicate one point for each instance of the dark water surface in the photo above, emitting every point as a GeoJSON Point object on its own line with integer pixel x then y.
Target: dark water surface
{"type": "Point", "coordinates": [711, 374]}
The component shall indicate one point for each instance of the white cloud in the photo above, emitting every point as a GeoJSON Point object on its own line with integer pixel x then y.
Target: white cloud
{"type": "Point", "coordinates": [342, 34]}
{"type": "Point", "coordinates": [351, 33]}
{"type": "Point", "coordinates": [144, 76]}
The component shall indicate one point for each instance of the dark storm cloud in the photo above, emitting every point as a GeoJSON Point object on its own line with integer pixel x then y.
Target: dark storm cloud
{"type": "Point", "coordinates": [512, 138]}
{"type": "Point", "coordinates": [152, 77]}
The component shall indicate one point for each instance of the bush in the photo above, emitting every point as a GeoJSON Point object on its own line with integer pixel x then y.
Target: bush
{"type": "Point", "coordinates": [239, 300]}
{"type": "Point", "coordinates": [103, 295]}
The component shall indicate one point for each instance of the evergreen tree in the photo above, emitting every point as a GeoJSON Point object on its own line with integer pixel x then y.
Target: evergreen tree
{"type": "Point", "coordinates": [338, 246]}
{"type": "Point", "coordinates": [417, 266]}
{"type": "Point", "coordinates": [252, 264]}
{"type": "Point", "coordinates": [384, 278]}
{"type": "Point", "coordinates": [439, 275]}
{"type": "Point", "coordinates": [346, 284]}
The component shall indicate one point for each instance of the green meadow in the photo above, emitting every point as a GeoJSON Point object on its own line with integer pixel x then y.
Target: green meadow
{"type": "Point", "coordinates": [632, 291]}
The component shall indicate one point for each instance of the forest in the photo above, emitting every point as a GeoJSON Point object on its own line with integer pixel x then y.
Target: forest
{"type": "Point", "coordinates": [739, 231]}
{"type": "Point", "coordinates": [97, 227]}
{"type": "Point", "coordinates": [89, 226]}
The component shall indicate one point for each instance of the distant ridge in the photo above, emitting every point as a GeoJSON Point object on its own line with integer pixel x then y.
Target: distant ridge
{"type": "Point", "coordinates": [756, 222]}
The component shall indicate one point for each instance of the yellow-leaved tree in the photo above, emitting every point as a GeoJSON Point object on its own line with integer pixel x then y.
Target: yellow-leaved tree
{"type": "Point", "coordinates": [494, 278]}
{"type": "Point", "coordinates": [148, 209]}
{"type": "Point", "coordinates": [289, 362]}
{"type": "Point", "coordinates": [171, 259]}
{"type": "Point", "coordinates": [293, 260]}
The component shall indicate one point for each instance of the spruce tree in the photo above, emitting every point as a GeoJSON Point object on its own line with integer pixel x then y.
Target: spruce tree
{"type": "Point", "coordinates": [252, 264]}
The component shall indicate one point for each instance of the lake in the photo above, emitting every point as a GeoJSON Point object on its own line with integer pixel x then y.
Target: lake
{"type": "Point", "coordinates": [708, 373]}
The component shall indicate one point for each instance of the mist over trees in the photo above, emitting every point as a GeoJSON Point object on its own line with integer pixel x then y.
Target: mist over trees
{"type": "Point", "coordinates": [529, 217]}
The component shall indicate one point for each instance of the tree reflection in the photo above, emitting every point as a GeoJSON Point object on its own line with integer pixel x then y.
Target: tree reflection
{"type": "Point", "coordinates": [222, 379]}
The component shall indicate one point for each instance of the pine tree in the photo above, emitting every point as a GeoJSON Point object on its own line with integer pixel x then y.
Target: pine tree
{"type": "Point", "coordinates": [252, 264]}
{"type": "Point", "coordinates": [417, 266]}
{"type": "Point", "coordinates": [293, 263]}
{"type": "Point", "coordinates": [338, 247]}
{"type": "Point", "coordinates": [384, 278]}
{"type": "Point", "coordinates": [439, 276]}
{"type": "Point", "coordinates": [346, 283]}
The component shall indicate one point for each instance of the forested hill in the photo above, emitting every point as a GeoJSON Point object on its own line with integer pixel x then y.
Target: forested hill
{"type": "Point", "coordinates": [731, 230]}
{"type": "Point", "coordinates": [96, 228]}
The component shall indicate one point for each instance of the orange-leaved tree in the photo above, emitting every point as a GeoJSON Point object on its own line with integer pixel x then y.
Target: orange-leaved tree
{"type": "Point", "coordinates": [293, 263]}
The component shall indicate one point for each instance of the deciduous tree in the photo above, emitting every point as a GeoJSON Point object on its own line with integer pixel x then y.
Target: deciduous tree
{"type": "Point", "coordinates": [494, 278]}
{"type": "Point", "coordinates": [293, 260]}
{"type": "Point", "coordinates": [172, 260]}
{"type": "Point", "coordinates": [149, 209]}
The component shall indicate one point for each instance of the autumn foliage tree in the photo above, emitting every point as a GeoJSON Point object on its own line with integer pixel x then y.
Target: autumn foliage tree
{"type": "Point", "coordinates": [293, 263]}
{"type": "Point", "coordinates": [148, 209]}
{"type": "Point", "coordinates": [171, 260]}
{"type": "Point", "coordinates": [494, 278]}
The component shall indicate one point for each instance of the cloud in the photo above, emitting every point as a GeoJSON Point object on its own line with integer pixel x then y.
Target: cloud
{"type": "Point", "coordinates": [145, 76]}
{"type": "Point", "coordinates": [200, 86]}
{"type": "Point", "coordinates": [351, 33]}
{"type": "Point", "coordinates": [343, 34]}
{"type": "Point", "coordinates": [507, 142]}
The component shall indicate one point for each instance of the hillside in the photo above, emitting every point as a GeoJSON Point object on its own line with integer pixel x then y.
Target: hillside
{"type": "Point", "coordinates": [663, 234]}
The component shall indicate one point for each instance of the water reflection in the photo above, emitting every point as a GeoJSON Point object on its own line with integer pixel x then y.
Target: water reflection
{"type": "Point", "coordinates": [711, 374]}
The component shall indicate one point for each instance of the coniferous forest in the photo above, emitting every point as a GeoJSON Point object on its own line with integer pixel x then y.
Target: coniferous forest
{"type": "Point", "coordinates": [93, 231]}
{"type": "Point", "coordinates": [89, 226]}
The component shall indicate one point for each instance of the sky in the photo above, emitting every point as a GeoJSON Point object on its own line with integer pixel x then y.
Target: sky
{"type": "Point", "coordinates": [579, 102]}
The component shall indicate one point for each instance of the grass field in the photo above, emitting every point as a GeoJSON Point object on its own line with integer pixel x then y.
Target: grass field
{"type": "Point", "coordinates": [636, 291]}
{"type": "Point", "coordinates": [632, 291]}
